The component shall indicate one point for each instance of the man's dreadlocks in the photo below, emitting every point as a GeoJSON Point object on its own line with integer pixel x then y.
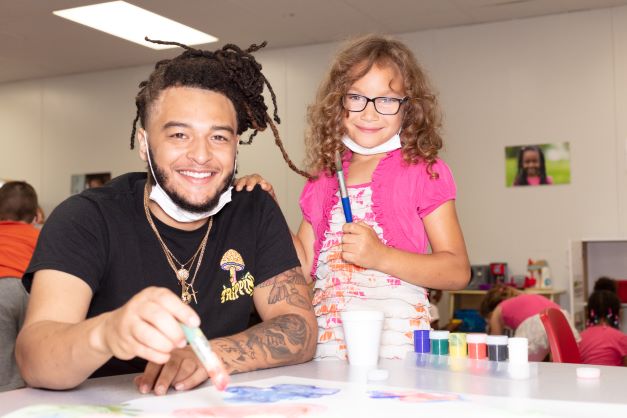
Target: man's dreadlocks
{"type": "Point", "coordinates": [230, 71]}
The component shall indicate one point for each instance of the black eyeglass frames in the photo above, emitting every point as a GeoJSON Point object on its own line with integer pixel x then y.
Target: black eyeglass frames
{"type": "Point", "coordinates": [383, 105]}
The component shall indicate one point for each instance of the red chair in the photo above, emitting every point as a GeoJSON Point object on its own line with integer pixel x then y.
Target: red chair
{"type": "Point", "coordinates": [562, 342]}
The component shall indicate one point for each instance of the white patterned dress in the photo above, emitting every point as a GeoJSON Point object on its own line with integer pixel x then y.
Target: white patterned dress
{"type": "Point", "coordinates": [342, 286]}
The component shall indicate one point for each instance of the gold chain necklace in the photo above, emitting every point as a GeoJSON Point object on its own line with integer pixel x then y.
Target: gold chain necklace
{"type": "Point", "coordinates": [182, 274]}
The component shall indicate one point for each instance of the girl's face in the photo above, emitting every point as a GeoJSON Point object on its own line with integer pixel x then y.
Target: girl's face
{"type": "Point", "coordinates": [531, 162]}
{"type": "Point", "coordinates": [369, 128]}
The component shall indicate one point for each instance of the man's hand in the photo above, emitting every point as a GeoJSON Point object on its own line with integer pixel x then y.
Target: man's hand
{"type": "Point", "coordinates": [249, 182]}
{"type": "Point", "coordinates": [183, 371]}
{"type": "Point", "coordinates": [147, 326]}
{"type": "Point", "coordinates": [361, 245]}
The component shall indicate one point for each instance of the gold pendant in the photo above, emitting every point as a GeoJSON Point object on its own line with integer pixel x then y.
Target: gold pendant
{"type": "Point", "coordinates": [185, 294]}
{"type": "Point", "coordinates": [182, 274]}
{"type": "Point", "coordinates": [188, 293]}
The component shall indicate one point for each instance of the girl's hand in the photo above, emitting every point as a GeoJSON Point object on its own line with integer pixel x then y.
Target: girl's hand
{"type": "Point", "coordinates": [361, 245]}
{"type": "Point", "coordinates": [249, 182]}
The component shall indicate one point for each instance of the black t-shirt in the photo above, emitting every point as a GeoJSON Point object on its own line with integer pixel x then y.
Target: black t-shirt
{"type": "Point", "coordinates": [103, 237]}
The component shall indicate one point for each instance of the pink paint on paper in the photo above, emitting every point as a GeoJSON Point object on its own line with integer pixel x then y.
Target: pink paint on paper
{"type": "Point", "coordinates": [292, 410]}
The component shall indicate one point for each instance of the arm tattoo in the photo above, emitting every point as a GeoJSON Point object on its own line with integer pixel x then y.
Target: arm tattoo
{"type": "Point", "coordinates": [282, 340]}
{"type": "Point", "coordinates": [284, 288]}
{"type": "Point", "coordinates": [276, 342]}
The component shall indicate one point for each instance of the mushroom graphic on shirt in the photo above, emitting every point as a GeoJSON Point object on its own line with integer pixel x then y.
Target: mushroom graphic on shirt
{"type": "Point", "coordinates": [232, 262]}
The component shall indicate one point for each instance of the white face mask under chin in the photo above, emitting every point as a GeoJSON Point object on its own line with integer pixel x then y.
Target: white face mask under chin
{"type": "Point", "coordinates": [159, 196]}
{"type": "Point", "coordinates": [391, 144]}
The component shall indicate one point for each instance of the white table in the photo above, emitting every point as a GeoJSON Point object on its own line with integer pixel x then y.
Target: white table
{"type": "Point", "coordinates": [556, 382]}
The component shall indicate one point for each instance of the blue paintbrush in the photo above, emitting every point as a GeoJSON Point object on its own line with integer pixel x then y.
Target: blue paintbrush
{"type": "Point", "coordinates": [346, 204]}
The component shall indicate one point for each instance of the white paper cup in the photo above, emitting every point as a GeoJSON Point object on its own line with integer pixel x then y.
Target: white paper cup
{"type": "Point", "coordinates": [362, 333]}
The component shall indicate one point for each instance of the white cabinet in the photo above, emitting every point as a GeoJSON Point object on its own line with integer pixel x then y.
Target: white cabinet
{"type": "Point", "coordinates": [590, 259]}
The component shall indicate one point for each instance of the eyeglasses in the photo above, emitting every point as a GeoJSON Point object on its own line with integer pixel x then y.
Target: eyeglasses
{"type": "Point", "coordinates": [383, 105]}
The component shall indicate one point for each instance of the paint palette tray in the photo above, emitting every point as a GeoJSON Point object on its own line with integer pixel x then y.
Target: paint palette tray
{"type": "Point", "coordinates": [471, 366]}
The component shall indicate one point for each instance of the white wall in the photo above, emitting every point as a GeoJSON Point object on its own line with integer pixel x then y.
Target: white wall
{"type": "Point", "coordinates": [549, 79]}
{"type": "Point", "coordinates": [541, 80]}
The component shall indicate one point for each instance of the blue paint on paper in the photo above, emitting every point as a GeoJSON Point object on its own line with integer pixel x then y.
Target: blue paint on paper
{"type": "Point", "coordinates": [380, 394]}
{"type": "Point", "coordinates": [414, 397]}
{"type": "Point", "coordinates": [277, 393]}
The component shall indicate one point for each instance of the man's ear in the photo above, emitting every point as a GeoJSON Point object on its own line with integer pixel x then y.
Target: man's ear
{"type": "Point", "coordinates": [142, 139]}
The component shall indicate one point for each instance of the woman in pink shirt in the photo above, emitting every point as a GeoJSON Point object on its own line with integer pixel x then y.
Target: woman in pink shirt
{"type": "Point", "coordinates": [602, 342]}
{"type": "Point", "coordinates": [507, 307]}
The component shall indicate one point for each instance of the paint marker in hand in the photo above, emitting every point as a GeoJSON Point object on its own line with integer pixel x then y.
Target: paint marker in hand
{"type": "Point", "coordinates": [346, 204]}
{"type": "Point", "coordinates": [208, 358]}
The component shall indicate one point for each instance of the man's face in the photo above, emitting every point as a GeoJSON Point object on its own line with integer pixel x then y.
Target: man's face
{"type": "Point", "coordinates": [192, 144]}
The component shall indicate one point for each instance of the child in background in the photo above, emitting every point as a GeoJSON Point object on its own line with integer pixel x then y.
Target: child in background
{"type": "Point", "coordinates": [605, 283]}
{"type": "Point", "coordinates": [376, 108]}
{"type": "Point", "coordinates": [504, 306]}
{"type": "Point", "coordinates": [18, 236]}
{"type": "Point", "coordinates": [602, 342]}
{"type": "Point", "coordinates": [531, 167]}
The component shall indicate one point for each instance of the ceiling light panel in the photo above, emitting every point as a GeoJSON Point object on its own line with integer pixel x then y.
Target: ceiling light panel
{"type": "Point", "coordinates": [133, 23]}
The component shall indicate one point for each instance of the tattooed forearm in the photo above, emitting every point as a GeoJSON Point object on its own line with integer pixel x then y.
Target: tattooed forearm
{"type": "Point", "coordinates": [286, 339]}
{"type": "Point", "coordinates": [289, 286]}
{"type": "Point", "coordinates": [288, 333]}
{"type": "Point", "coordinates": [234, 354]}
{"type": "Point", "coordinates": [279, 338]}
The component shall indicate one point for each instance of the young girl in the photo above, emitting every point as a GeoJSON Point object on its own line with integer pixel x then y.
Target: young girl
{"type": "Point", "coordinates": [507, 307]}
{"type": "Point", "coordinates": [376, 108]}
{"type": "Point", "coordinates": [531, 167]}
{"type": "Point", "coordinates": [602, 342]}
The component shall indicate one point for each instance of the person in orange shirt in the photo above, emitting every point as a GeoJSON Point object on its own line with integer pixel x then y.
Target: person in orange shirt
{"type": "Point", "coordinates": [18, 237]}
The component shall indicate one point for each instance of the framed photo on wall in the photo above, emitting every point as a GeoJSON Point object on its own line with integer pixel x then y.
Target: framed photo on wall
{"type": "Point", "coordinates": [537, 165]}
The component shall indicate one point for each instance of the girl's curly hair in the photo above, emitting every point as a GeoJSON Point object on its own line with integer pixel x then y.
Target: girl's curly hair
{"type": "Point", "coordinates": [421, 123]}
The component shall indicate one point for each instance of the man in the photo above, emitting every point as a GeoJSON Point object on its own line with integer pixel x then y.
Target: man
{"type": "Point", "coordinates": [118, 267]}
{"type": "Point", "coordinates": [18, 237]}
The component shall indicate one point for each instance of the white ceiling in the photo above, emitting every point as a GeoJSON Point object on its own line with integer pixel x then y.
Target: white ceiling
{"type": "Point", "coordinates": [35, 43]}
